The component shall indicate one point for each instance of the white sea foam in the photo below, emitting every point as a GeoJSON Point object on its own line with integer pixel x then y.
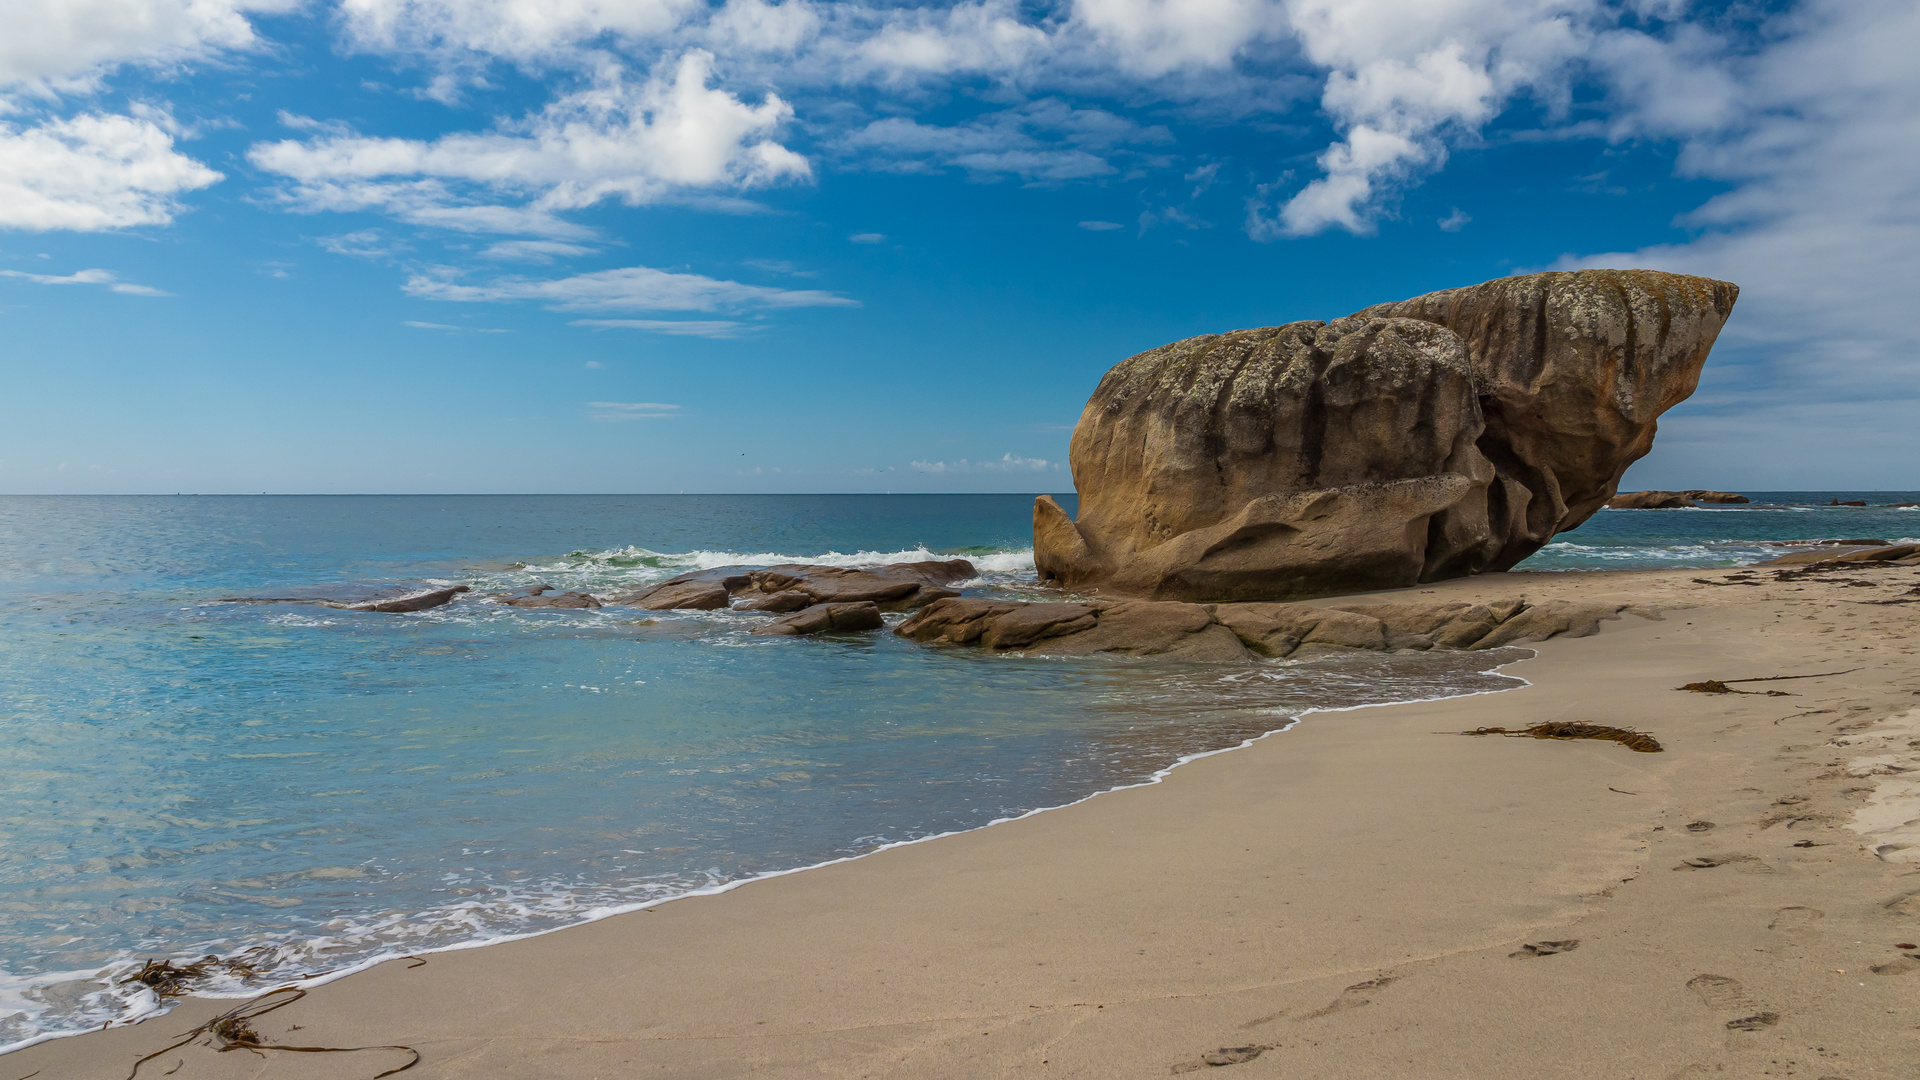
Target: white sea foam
{"type": "Point", "coordinates": [641, 562]}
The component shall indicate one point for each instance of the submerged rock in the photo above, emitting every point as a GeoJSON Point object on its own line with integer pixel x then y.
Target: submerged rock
{"type": "Point", "coordinates": [543, 598]}
{"type": "Point", "coordinates": [826, 618]}
{"type": "Point", "coordinates": [1446, 435]}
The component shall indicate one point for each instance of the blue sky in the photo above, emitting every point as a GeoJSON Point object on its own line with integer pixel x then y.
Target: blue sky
{"type": "Point", "coordinates": [666, 245]}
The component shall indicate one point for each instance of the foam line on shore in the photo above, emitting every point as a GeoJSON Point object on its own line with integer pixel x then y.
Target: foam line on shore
{"type": "Point", "coordinates": [150, 1005]}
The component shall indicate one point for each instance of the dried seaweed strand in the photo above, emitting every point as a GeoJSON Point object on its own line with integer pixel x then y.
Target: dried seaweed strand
{"type": "Point", "coordinates": [1565, 729]}
{"type": "Point", "coordinates": [233, 1030]}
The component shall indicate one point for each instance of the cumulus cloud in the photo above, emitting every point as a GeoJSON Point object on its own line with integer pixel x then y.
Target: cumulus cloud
{"type": "Point", "coordinates": [633, 288]}
{"type": "Point", "coordinates": [92, 172]}
{"type": "Point", "coordinates": [613, 140]}
{"type": "Point", "coordinates": [1401, 75]}
{"type": "Point", "coordinates": [86, 277]}
{"type": "Point", "coordinates": [1154, 37]}
{"type": "Point", "coordinates": [66, 44]}
{"type": "Point", "coordinates": [516, 29]}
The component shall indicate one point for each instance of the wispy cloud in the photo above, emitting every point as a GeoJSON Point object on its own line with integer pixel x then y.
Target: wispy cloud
{"type": "Point", "coordinates": [633, 288]}
{"type": "Point", "coordinates": [534, 251]}
{"type": "Point", "coordinates": [868, 238]}
{"type": "Point", "coordinates": [1007, 463]}
{"type": "Point", "coordinates": [458, 329]}
{"type": "Point", "coordinates": [87, 277]}
{"type": "Point", "coordinates": [617, 412]}
{"type": "Point", "coordinates": [707, 328]}
{"type": "Point", "coordinates": [1101, 226]}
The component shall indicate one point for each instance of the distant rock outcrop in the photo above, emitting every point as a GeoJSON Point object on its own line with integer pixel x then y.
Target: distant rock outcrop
{"type": "Point", "coordinates": [1723, 497]}
{"type": "Point", "coordinates": [1436, 437]}
{"type": "Point", "coordinates": [1649, 500]}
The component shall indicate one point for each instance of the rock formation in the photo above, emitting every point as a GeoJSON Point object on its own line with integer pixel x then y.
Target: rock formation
{"type": "Point", "coordinates": [796, 587]}
{"type": "Point", "coordinates": [1241, 632]}
{"type": "Point", "coordinates": [1446, 435]}
{"type": "Point", "coordinates": [1649, 500]}
{"type": "Point", "coordinates": [1671, 500]}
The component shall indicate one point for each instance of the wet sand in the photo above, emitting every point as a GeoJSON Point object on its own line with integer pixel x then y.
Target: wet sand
{"type": "Point", "coordinates": [1367, 895]}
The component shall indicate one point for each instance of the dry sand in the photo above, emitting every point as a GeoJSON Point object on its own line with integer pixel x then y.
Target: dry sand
{"type": "Point", "coordinates": [1352, 898]}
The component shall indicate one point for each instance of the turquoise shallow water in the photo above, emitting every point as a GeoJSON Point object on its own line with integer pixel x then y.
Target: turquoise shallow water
{"type": "Point", "coordinates": [180, 776]}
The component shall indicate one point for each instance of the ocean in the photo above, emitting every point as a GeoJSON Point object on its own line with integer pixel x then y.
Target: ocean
{"type": "Point", "coordinates": [321, 789]}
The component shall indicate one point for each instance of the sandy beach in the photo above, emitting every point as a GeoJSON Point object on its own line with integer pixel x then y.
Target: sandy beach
{"type": "Point", "coordinates": [1366, 895]}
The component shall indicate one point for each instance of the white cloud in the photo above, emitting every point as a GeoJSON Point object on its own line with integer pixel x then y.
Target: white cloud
{"type": "Point", "coordinates": [65, 44]}
{"type": "Point", "coordinates": [448, 326]}
{"type": "Point", "coordinates": [514, 29]}
{"type": "Point", "coordinates": [614, 140]}
{"type": "Point", "coordinates": [1821, 230]}
{"type": "Point", "coordinates": [615, 412]}
{"type": "Point", "coordinates": [634, 288]}
{"type": "Point", "coordinates": [1154, 37]}
{"type": "Point", "coordinates": [86, 277]}
{"type": "Point", "coordinates": [93, 172]}
{"type": "Point", "coordinates": [868, 238]}
{"type": "Point", "coordinates": [1007, 463]}
{"type": "Point", "coordinates": [1404, 73]}
{"type": "Point", "coordinates": [537, 251]}
{"type": "Point", "coordinates": [1455, 221]}
{"type": "Point", "coordinates": [1101, 226]}
{"type": "Point", "coordinates": [706, 328]}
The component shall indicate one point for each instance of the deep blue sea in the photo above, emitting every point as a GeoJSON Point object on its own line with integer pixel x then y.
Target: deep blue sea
{"type": "Point", "coordinates": [181, 776]}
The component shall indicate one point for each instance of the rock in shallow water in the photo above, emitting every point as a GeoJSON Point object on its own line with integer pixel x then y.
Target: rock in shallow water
{"type": "Point", "coordinates": [792, 587]}
{"type": "Point", "coordinates": [825, 619]}
{"type": "Point", "coordinates": [1446, 435]}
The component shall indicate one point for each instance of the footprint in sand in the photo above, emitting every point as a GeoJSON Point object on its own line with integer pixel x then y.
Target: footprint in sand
{"type": "Point", "coordinates": [1748, 864]}
{"type": "Point", "coordinates": [1795, 917]}
{"type": "Point", "coordinates": [1544, 948]}
{"type": "Point", "coordinates": [1226, 1055]}
{"type": "Point", "coordinates": [1352, 997]}
{"type": "Point", "coordinates": [1899, 965]}
{"type": "Point", "coordinates": [1722, 994]}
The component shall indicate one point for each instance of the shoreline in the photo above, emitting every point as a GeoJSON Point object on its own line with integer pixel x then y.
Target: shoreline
{"type": "Point", "coordinates": [163, 1009]}
{"type": "Point", "coordinates": [744, 941]}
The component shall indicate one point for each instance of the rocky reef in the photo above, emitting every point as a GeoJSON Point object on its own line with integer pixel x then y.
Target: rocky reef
{"type": "Point", "coordinates": [1672, 500]}
{"type": "Point", "coordinates": [1451, 434]}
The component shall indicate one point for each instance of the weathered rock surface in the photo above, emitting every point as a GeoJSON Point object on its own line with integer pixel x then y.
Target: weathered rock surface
{"type": "Point", "coordinates": [1880, 551]}
{"type": "Point", "coordinates": [1436, 437]}
{"type": "Point", "coordinates": [1239, 632]}
{"type": "Point", "coordinates": [544, 598]}
{"type": "Point", "coordinates": [796, 587]}
{"type": "Point", "coordinates": [1719, 497]}
{"type": "Point", "coordinates": [1649, 500]}
{"type": "Point", "coordinates": [826, 618]}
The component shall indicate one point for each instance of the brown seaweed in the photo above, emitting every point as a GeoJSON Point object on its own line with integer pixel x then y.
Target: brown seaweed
{"type": "Point", "coordinates": [1722, 686]}
{"type": "Point", "coordinates": [233, 1030]}
{"type": "Point", "coordinates": [1638, 741]}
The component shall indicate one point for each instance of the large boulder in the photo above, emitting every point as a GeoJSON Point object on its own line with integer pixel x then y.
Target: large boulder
{"type": "Point", "coordinates": [1446, 435]}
